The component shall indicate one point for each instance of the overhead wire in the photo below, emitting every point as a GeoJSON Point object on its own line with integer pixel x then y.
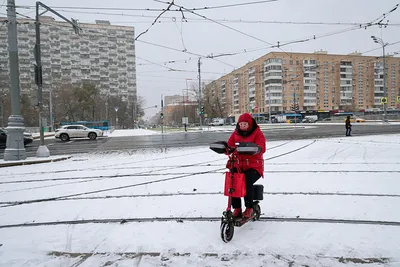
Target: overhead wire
{"type": "Point", "coordinates": [170, 69]}
{"type": "Point", "coordinates": [219, 23]}
{"type": "Point", "coordinates": [151, 9]}
{"type": "Point", "coordinates": [234, 5]}
{"type": "Point", "coordinates": [187, 19]}
{"type": "Point", "coordinates": [303, 40]}
{"type": "Point", "coordinates": [144, 32]}
{"type": "Point", "coordinates": [182, 51]}
{"type": "Point", "coordinates": [329, 34]}
{"type": "Point", "coordinates": [99, 34]}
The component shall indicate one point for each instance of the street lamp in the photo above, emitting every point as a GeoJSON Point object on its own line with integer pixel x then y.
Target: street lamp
{"type": "Point", "coordinates": [184, 106]}
{"type": "Point", "coordinates": [383, 44]}
{"type": "Point", "coordinates": [116, 116]}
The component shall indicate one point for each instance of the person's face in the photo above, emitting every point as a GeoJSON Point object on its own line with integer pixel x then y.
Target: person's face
{"type": "Point", "coordinates": [243, 125]}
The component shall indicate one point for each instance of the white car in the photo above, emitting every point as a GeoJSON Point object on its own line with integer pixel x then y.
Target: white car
{"type": "Point", "coordinates": [67, 132]}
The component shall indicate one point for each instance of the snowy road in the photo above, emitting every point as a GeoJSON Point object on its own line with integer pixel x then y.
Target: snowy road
{"type": "Point", "coordinates": [327, 202]}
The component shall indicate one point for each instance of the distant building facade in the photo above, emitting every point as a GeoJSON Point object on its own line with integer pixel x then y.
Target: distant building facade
{"type": "Point", "coordinates": [103, 54]}
{"type": "Point", "coordinates": [314, 81]}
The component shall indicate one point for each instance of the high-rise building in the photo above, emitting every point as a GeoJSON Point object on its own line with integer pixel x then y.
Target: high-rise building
{"type": "Point", "coordinates": [314, 81]}
{"type": "Point", "coordinates": [103, 54]}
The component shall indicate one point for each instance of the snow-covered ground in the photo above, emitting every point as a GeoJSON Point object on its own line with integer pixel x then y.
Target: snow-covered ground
{"type": "Point", "coordinates": [97, 210]}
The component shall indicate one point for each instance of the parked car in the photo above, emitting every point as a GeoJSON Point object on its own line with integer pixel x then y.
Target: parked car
{"type": "Point", "coordinates": [295, 120]}
{"type": "Point", "coordinates": [67, 132]}
{"type": "Point", "coordinates": [308, 120]}
{"type": "Point", "coordinates": [217, 122]}
{"type": "Point", "coordinates": [28, 138]}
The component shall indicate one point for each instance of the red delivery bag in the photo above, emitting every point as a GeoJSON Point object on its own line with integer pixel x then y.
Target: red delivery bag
{"type": "Point", "coordinates": [235, 184]}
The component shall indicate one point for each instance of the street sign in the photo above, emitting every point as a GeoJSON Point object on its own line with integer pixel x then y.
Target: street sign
{"type": "Point", "coordinates": [384, 100]}
{"type": "Point", "coordinates": [185, 120]}
{"type": "Point", "coordinates": [116, 109]}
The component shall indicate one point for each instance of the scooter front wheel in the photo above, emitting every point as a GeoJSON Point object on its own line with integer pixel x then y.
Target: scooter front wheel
{"type": "Point", "coordinates": [227, 231]}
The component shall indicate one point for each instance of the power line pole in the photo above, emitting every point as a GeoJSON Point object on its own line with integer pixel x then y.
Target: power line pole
{"type": "Point", "coordinates": [383, 44]}
{"type": "Point", "coordinates": [15, 138]}
{"type": "Point", "coordinates": [51, 110]}
{"type": "Point", "coordinates": [199, 64]}
{"type": "Point", "coordinates": [385, 119]}
{"type": "Point", "coordinates": [162, 115]}
{"type": "Point", "coordinates": [42, 150]}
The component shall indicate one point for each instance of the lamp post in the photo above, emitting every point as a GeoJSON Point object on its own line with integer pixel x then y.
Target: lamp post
{"type": "Point", "coordinates": [184, 107]}
{"type": "Point", "coordinates": [15, 149]}
{"type": "Point", "coordinates": [43, 151]}
{"type": "Point", "coordinates": [383, 44]}
{"type": "Point", "coordinates": [116, 116]}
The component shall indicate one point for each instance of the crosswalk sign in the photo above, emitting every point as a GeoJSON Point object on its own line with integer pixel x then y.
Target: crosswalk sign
{"type": "Point", "coordinates": [384, 100]}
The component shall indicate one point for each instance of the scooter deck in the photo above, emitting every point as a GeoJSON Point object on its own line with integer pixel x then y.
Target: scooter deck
{"type": "Point", "coordinates": [242, 221]}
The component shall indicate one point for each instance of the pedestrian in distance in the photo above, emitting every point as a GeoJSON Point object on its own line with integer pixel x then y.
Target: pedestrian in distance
{"type": "Point", "coordinates": [348, 126]}
{"type": "Point", "coordinates": [252, 166]}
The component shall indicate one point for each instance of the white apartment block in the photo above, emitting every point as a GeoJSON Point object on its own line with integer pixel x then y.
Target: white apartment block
{"type": "Point", "coordinates": [103, 54]}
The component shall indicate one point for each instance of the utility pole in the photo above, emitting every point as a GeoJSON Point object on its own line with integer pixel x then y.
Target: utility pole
{"type": "Point", "coordinates": [269, 105]}
{"type": "Point", "coordinates": [199, 64]}
{"type": "Point", "coordinates": [51, 110]}
{"type": "Point", "coordinates": [184, 110]}
{"type": "Point", "coordinates": [295, 109]}
{"type": "Point", "coordinates": [162, 115]}
{"type": "Point", "coordinates": [107, 109]}
{"type": "Point", "coordinates": [43, 151]}
{"type": "Point", "coordinates": [383, 44]}
{"type": "Point", "coordinates": [15, 149]}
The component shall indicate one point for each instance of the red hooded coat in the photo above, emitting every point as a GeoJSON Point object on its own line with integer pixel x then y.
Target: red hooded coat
{"type": "Point", "coordinates": [254, 135]}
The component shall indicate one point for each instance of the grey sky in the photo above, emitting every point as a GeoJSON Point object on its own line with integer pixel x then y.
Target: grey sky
{"type": "Point", "coordinates": [206, 38]}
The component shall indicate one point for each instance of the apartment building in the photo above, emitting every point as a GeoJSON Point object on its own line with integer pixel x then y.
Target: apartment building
{"type": "Point", "coordinates": [102, 54]}
{"type": "Point", "coordinates": [314, 81]}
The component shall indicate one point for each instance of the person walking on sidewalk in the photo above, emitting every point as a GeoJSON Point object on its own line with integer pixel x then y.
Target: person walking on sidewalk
{"type": "Point", "coordinates": [348, 126]}
{"type": "Point", "coordinates": [252, 166]}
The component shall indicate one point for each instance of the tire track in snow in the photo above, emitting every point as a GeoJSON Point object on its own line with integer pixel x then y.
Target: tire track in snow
{"type": "Point", "coordinates": [139, 184]}
{"type": "Point", "coordinates": [146, 173]}
{"type": "Point", "coordinates": [119, 168]}
{"type": "Point", "coordinates": [216, 193]}
{"type": "Point", "coordinates": [201, 219]}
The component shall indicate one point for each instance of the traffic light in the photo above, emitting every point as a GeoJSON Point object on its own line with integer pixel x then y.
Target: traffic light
{"type": "Point", "coordinates": [162, 116]}
{"type": "Point", "coordinates": [297, 107]}
{"type": "Point", "coordinates": [202, 110]}
{"type": "Point", "coordinates": [292, 107]}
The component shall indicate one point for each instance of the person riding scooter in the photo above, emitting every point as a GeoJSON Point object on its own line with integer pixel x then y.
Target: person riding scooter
{"type": "Point", "coordinates": [252, 166]}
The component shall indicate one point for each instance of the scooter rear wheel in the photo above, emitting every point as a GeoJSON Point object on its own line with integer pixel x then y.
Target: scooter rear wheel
{"type": "Point", "coordinates": [227, 231]}
{"type": "Point", "coordinates": [257, 212]}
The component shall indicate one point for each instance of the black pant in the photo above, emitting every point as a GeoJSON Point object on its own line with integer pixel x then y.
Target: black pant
{"type": "Point", "coordinates": [251, 177]}
{"type": "Point", "coordinates": [348, 131]}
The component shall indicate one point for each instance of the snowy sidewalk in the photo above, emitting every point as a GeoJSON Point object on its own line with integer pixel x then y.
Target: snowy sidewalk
{"type": "Point", "coordinates": [327, 202]}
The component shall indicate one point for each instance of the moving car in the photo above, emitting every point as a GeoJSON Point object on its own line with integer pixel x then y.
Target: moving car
{"type": "Point", "coordinates": [77, 131]}
{"type": "Point", "coordinates": [28, 138]}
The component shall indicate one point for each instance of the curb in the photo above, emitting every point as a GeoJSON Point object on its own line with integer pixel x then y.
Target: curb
{"type": "Point", "coordinates": [45, 135]}
{"type": "Point", "coordinates": [15, 163]}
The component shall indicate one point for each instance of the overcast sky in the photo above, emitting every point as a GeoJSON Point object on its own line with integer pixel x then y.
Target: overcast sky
{"type": "Point", "coordinates": [205, 38]}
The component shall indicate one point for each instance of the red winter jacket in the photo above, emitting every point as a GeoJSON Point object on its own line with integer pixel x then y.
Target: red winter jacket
{"type": "Point", "coordinates": [255, 135]}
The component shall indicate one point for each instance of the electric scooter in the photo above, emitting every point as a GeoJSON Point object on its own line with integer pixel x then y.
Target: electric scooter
{"type": "Point", "coordinates": [235, 186]}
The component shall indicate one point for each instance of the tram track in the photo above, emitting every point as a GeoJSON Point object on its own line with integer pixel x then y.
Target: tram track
{"type": "Point", "coordinates": [139, 184]}
{"type": "Point", "coordinates": [214, 193]}
{"type": "Point", "coordinates": [200, 219]}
